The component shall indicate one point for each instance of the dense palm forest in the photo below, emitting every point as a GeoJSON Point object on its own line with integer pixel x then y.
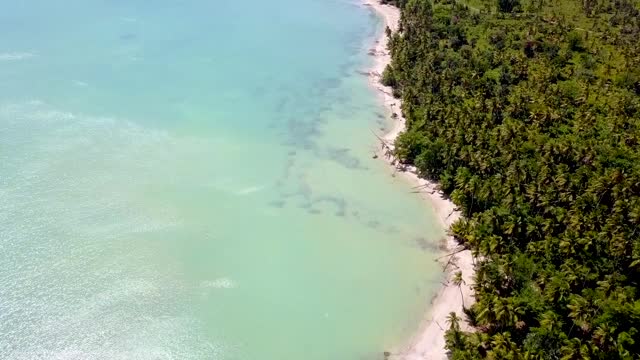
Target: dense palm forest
{"type": "Point", "coordinates": [528, 115]}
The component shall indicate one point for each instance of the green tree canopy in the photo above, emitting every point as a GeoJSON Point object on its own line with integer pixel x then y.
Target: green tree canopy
{"type": "Point", "coordinates": [528, 114]}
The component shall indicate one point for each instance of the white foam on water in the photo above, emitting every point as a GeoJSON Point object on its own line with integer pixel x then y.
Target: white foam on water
{"type": "Point", "coordinates": [220, 283]}
{"type": "Point", "coordinates": [249, 190]}
{"type": "Point", "coordinates": [15, 56]}
{"type": "Point", "coordinates": [35, 102]}
{"type": "Point", "coordinates": [80, 83]}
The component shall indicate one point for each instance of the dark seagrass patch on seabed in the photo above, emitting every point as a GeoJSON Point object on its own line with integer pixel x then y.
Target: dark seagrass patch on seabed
{"type": "Point", "coordinates": [343, 157]}
{"type": "Point", "coordinates": [339, 203]}
{"type": "Point", "coordinates": [426, 245]}
{"type": "Point", "coordinates": [277, 203]}
{"type": "Point", "coordinates": [301, 134]}
{"type": "Point", "coordinates": [374, 224]}
{"type": "Point", "coordinates": [128, 36]}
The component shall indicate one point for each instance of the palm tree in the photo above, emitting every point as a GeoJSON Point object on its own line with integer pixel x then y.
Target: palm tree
{"type": "Point", "coordinates": [454, 321]}
{"type": "Point", "coordinates": [457, 280]}
{"type": "Point", "coordinates": [454, 335]}
{"type": "Point", "coordinates": [580, 312]}
{"type": "Point", "coordinates": [550, 322]}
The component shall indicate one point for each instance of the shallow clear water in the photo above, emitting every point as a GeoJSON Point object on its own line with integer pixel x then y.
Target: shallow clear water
{"type": "Point", "coordinates": [193, 180]}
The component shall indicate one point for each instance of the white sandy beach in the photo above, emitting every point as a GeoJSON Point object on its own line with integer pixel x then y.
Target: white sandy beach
{"type": "Point", "coordinates": [428, 342]}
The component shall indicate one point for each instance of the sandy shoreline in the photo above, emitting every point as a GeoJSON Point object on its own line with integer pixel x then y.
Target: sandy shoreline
{"type": "Point", "coordinates": [428, 342]}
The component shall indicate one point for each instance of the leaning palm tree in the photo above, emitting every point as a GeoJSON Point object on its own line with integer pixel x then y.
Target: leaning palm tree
{"type": "Point", "coordinates": [458, 281]}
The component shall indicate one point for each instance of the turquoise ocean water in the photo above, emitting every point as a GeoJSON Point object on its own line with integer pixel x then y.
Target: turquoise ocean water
{"type": "Point", "coordinates": [193, 180]}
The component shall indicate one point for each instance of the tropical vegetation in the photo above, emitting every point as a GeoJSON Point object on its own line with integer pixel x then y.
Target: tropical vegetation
{"type": "Point", "coordinates": [528, 115]}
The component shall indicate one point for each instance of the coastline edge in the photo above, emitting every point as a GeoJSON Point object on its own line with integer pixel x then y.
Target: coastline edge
{"type": "Point", "coordinates": [428, 342]}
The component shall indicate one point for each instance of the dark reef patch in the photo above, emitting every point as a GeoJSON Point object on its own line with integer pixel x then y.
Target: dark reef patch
{"type": "Point", "coordinates": [343, 157]}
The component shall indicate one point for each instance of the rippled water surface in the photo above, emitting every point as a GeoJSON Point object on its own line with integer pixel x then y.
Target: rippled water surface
{"type": "Point", "coordinates": [193, 180]}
